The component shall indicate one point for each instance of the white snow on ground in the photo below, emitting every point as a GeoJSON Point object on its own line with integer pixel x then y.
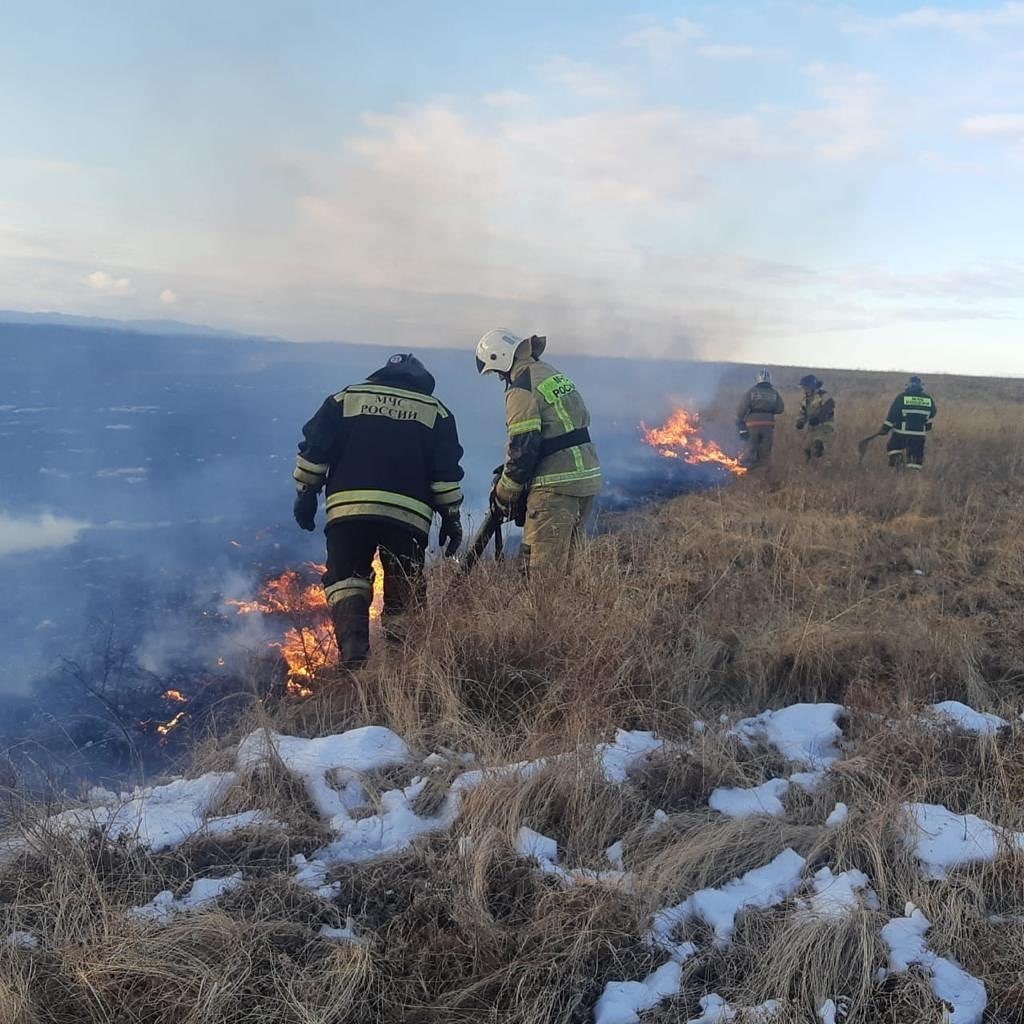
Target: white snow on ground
{"type": "Point", "coordinates": [758, 889]}
{"type": "Point", "coordinates": [804, 733]}
{"type": "Point", "coordinates": [544, 851]}
{"type": "Point", "coordinates": [905, 937]}
{"type": "Point", "coordinates": [836, 896]}
{"type": "Point", "coordinates": [840, 814]}
{"type": "Point", "coordinates": [741, 803]}
{"type": "Point", "coordinates": [967, 718]}
{"type": "Point", "coordinates": [164, 905]}
{"type": "Point", "coordinates": [346, 934]}
{"type": "Point", "coordinates": [622, 1002]}
{"type": "Point", "coordinates": [629, 748]}
{"type": "Point", "coordinates": [160, 817]}
{"type": "Point", "coordinates": [832, 1012]}
{"type": "Point", "coordinates": [22, 940]}
{"type": "Point", "coordinates": [717, 1011]}
{"type": "Point", "coordinates": [327, 765]}
{"type": "Point", "coordinates": [942, 840]}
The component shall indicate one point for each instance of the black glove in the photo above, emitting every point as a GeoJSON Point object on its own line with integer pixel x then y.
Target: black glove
{"type": "Point", "coordinates": [884, 430]}
{"type": "Point", "coordinates": [799, 424]}
{"type": "Point", "coordinates": [813, 421]}
{"type": "Point", "coordinates": [744, 433]}
{"type": "Point", "coordinates": [449, 535]}
{"type": "Point", "coordinates": [928, 425]}
{"type": "Point", "coordinates": [304, 509]}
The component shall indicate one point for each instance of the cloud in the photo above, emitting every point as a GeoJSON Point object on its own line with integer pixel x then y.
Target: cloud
{"type": "Point", "coordinates": [995, 126]}
{"type": "Point", "coordinates": [169, 297]}
{"type": "Point", "coordinates": [582, 79]}
{"type": "Point", "coordinates": [662, 42]}
{"type": "Point", "coordinates": [505, 99]}
{"type": "Point", "coordinates": [971, 24]}
{"type": "Point", "coordinates": [721, 51]}
{"type": "Point", "coordinates": [101, 281]}
{"type": "Point", "coordinates": [855, 119]}
{"type": "Point", "coordinates": [46, 531]}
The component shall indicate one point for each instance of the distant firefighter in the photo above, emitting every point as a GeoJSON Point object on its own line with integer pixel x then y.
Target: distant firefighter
{"type": "Point", "coordinates": [755, 418]}
{"type": "Point", "coordinates": [910, 419]}
{"type": "Point", "coordinates": [388, 453]}
{"type": "Point", "coordinates": [818, 415]}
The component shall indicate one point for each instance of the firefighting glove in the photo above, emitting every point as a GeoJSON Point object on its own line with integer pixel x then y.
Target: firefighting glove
{"type": "Point", "coordinates": [449, 535]}
{"type": "Point", "coordinates": [884, 430]}
{"type": "Point", "coordinates": [304, 509]}
{"type": "Point", "coordinates": [813, 421]}
{"type": "Point", "coordinates": [744, 433]}
{"type": "Point", "coordinates": [503, 501]}
{"type": "Point", "coordinates": [799, 424]}
{"type": "Point", "coordinates": [929, 425]}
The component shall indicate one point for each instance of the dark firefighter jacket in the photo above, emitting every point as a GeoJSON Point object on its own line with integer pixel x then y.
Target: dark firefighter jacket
{"type": "Point", "coordinates": [386, 449]}
{"type": "Point", "coordinates": [759, 407]}
{"type": "Point", "coordinates": [549, 442]}
{"type": "Point", "coordinates": [818, 411]}
{"type": "Point", "coordinates": [911, 412]}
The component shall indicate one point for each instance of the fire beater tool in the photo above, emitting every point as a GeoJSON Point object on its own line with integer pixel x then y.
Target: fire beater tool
{"type": "Point", "coordinates": [864, 443]}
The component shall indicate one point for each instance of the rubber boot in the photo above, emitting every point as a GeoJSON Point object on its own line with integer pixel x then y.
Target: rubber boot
{"type": "Point", "coordinates": [351, 618]}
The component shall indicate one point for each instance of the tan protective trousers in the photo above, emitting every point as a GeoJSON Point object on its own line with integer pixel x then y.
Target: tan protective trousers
{"type": "Point", "coordinates": [555, 525]}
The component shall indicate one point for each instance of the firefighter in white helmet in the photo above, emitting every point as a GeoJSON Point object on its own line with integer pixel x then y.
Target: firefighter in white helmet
{"type": "Point", "coordinates": [549, 460]}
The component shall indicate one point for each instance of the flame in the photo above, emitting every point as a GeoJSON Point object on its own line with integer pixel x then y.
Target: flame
{"type": "Point", "coordinates": [308, 644]}
{"type": "Point", "coordinates": [165, 727]}
{"type": "Point", "coordinates": [680, 438]}
{"type": "Point", "coordinates": [176, 696]}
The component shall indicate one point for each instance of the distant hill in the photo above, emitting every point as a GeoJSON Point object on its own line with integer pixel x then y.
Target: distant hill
{"type": "Point", "coordinates": [154, 326]}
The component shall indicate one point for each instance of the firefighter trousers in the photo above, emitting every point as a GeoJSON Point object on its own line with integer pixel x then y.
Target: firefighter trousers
{"type": "Point", "coordinates": [906, 450]}
{"type": "Point", "coordinates": [555, 525]}
{"type": "Point", "coordinates": [348, 582]}
{"type": "Point", "coordinates": [759, 445]}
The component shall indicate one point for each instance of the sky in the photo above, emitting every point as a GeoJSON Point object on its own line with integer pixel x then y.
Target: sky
{"type": "Point", "coordinates": [780, 182]}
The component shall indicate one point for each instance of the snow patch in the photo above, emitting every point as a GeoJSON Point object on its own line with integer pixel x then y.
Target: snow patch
{"type": "Point", "coordinates": [742, 803]}
{"type": "Point", "coordinates": [758, 889]}
{"type": "Point", "coordinates": [715, 1010]}
{"type": "Point", "coordinates": [622, 1002]}
{"type": "Point", "coordinates": [965, 717]}
{"type": "Point", "coordinates": [163, 907]}
{"type": "Point", "coordinates": [835, 896]}
{"type": "Point", "coordinates": [905, 937]}
{"type": "Point", "coordinates": [22, 940]}
{"type": "Point", "coordinates": [803, 733]}
{"type": "Point", "coordinates": [839, 816]}
{"type": "Point", "coordinates": [942, 840]}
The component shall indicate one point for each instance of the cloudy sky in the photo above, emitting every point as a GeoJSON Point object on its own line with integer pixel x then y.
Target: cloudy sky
{"type": "Point", "coordinates": [814, 183]}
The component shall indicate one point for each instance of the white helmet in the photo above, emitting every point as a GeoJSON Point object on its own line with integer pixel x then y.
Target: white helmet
{"type": "Point", "coordinates": [496, 351]}
{"type": "Point", "coordinates": [764, 377]}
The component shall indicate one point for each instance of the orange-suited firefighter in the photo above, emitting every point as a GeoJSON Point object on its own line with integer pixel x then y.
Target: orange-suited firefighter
{"type": "Point", "coordinates": [551, 463]}
{"type": "Point", "coordinates": [908, 423]}
{"type": "Point", "coordinates": [388, 452]}
{"type": "Point", "coordinates": [755, 418]}
{"type": "Point", "coordinates": [818, 415]}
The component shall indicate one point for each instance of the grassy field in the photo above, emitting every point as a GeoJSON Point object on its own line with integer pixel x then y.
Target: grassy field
{"type": "Point", "coordinates": [837, 582]}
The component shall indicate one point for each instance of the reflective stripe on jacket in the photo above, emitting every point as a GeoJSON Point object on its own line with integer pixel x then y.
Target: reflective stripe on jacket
{"type": "Point", "coordinates": [384, 451]}
{"type": "Point", "coordinates": [911, 413]}
{"type": "Point", "coordinates": [759, 407]}
{"type": "Point", "coordinates": [542, 406]}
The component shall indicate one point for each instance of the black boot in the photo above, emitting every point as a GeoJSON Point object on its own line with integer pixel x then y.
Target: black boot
{"type": "Point", "coordinates": [351, 618]}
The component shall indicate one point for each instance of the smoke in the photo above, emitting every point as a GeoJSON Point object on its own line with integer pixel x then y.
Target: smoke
{"type": "Point", "coordinates": [21, 535]}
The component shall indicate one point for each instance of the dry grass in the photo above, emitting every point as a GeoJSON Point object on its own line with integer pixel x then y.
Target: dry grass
{"type": "Point", "coordinates": [833, 582]}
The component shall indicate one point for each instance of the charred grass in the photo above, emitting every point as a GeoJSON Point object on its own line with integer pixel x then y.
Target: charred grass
{"type": "Point", "coordinates": [837, 582]}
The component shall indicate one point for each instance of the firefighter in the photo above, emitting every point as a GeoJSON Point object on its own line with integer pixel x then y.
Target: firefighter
{"type": "Point", "coordinates": [910, 418]}
{"type": "Point", "coordinates": [550, 460]}
{"type": "Point", "coordinates": [818, 414]}
{"type": "Point", "coordinates": [755, 418]}
{"type": "Point", "coordinates": [388, 452]}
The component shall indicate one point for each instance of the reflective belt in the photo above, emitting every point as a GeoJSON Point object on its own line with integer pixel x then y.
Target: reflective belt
{"type": "Point", "coordinates": [572, 439]}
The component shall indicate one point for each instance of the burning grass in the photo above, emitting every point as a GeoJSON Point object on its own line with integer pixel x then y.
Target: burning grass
{"type": "Point", "coordinates": [831, 582]}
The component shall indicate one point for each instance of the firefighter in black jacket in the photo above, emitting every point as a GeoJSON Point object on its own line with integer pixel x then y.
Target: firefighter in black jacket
{"type": "Point", "coordinates": [389, 454]}
{"type": "Point", "coordinates": [909, 420]}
